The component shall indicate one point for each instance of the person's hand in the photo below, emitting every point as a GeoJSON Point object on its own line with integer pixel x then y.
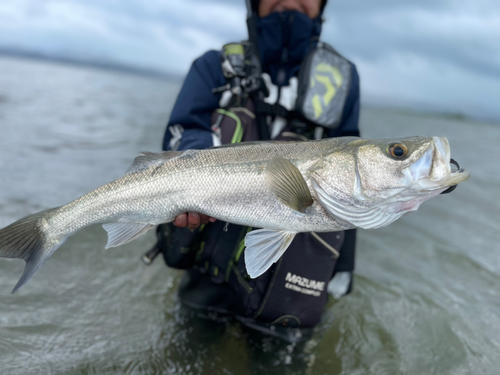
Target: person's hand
{"type": "Point", "coordinates": [192, 220]}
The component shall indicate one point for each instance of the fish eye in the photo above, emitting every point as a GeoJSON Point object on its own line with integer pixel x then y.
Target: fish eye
{"type": "Point", "coordinates": [397, 150]}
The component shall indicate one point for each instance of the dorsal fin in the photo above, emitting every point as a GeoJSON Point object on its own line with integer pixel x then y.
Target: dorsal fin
{"type": "Point", "coordinates": [253, 143]}
{"type": "Point", "coordinates": [146, 159]}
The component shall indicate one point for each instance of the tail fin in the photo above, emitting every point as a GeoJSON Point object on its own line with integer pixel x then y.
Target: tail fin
{"type": "Point", "coordinates": [28, 239]}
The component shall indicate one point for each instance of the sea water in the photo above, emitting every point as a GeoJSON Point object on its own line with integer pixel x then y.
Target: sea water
{"type": "Point", "coordinates": [426, 296]}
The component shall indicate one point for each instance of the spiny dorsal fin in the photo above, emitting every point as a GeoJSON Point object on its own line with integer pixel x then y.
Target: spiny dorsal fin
{"type": "Point", "coordinates": [146, 159]}
{"type": "Point", "coordinates": [288, 185]}
{"type": "Point", "coordinates": [252, 143]}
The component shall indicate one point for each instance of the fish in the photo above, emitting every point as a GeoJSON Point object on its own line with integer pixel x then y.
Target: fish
{"type": "Point", "coordinates": [284, 188]}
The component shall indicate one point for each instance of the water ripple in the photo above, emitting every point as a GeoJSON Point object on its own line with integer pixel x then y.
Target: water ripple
{"type": "Point", "coordinates": [425, 297]}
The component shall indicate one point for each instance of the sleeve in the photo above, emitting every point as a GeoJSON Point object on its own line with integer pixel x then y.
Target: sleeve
{"type": "Point", "coordinates": [190, 117]}
{"type": "Point", "coordinates": [350, 117]}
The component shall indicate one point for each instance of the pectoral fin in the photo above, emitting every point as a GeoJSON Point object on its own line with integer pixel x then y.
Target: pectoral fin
{"type": "Point", "coordinates": [265, 247]}
{"type": "Point", "coordinates": [288, 185]}
{"type": "Point", "coordinates": [122, 233]}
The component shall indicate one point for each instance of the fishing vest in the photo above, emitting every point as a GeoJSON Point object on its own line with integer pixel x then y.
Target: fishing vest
{"type": "Point", "coordinates": [311, 103]}
{"type": "Point", "coordinates": [293, 291]}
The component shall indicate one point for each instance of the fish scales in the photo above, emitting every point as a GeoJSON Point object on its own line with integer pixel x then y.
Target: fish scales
{"type": "Point", "coordinates": [233, 190]}
{"type": "Point", "coordinates": [283, 187]}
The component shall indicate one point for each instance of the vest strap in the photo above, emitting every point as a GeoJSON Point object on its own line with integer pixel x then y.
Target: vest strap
{"type": "Point", "coordinates": [275, 109]}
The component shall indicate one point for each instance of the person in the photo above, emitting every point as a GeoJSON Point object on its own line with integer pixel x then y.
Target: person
{"type": "Point", "coordinates": [282, 84]}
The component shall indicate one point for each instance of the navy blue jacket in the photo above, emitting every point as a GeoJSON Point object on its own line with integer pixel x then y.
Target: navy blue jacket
{"type": "Point", "coordinates": [278, 32]}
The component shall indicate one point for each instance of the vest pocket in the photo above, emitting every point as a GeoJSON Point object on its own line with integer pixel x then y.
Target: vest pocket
{"type": "Point", "coordinates": [297, 292]}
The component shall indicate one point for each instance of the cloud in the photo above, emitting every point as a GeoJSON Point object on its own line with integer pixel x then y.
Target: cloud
{"type": "Point", "coordinates": [155, 34]}
{"type": "Point", "coordinates": [439, 55]}
{"type": "Point", "coordinates": [416, 82]}
{"type": "Point", "coordinates": [472, 41]}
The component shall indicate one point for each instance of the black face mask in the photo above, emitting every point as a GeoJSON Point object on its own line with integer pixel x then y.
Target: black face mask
{"type": "Point", "coordinates": [285, 39]}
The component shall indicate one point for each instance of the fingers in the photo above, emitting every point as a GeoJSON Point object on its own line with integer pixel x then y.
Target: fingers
{"type": "Point", "coordinates": [192, 220]}
{"type": "Point", "coordinates": [181, 221]}
{"type": "Point", "coordinates": [203, 219]}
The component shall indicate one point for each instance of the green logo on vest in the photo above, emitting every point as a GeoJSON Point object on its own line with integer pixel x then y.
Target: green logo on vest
{"type": "Point", "coordinates": [330, 77]}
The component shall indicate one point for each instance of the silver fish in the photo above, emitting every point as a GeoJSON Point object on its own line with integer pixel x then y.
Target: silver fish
{"type": "Point", "coordinates": [283, 187]}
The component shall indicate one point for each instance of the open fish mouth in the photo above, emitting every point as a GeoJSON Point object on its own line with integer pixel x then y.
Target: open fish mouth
{"type": "Point", "coordinates": [436, 170]}
{"type": "Point", "coordinates": [457, 175]}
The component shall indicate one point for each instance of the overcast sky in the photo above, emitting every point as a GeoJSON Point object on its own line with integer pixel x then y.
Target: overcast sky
{"type": "Point", "coordinates": [429, 54]}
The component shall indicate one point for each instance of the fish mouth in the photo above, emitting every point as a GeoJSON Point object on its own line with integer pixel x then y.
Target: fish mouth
{"type": "Point", "coordinates": [456, 174]}
{"type": "Point", "coordinates": [442, 173]}
{"type": "Point", "coordinates": [459, 172]}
